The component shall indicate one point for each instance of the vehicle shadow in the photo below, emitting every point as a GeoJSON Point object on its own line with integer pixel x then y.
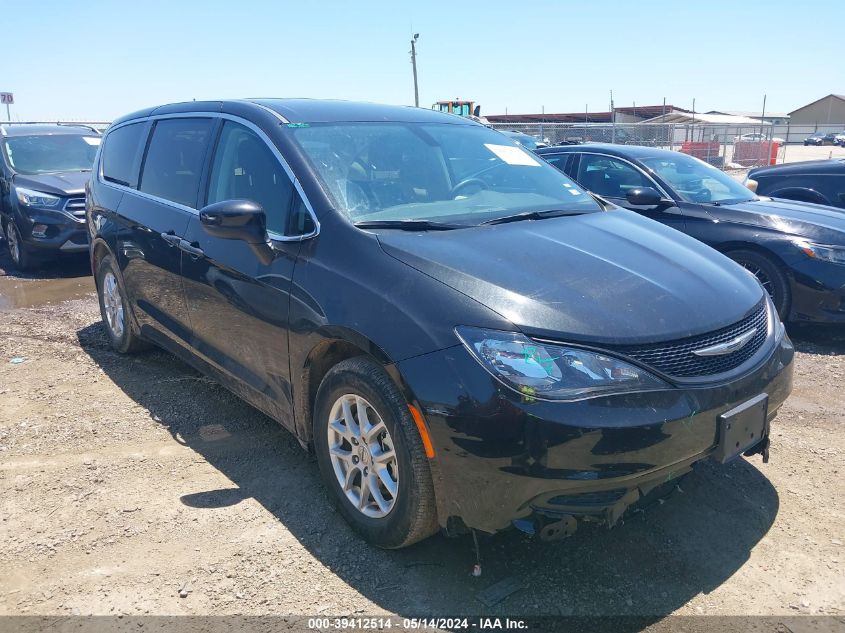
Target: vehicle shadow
{"type": "Point", "coordinates": [59, 267]}
{"type": "Point", "coordinates": [653, 564]}
{"type": "Point", "coordinates": [818, 338]}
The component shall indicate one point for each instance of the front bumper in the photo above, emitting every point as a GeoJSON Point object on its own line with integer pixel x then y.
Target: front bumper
{"type": "Point", "coordinates": [501, 457]}
{"type": "Point", "coordinates": [818, 291]}
{"type": "Point", "coordinates": [65, 233]}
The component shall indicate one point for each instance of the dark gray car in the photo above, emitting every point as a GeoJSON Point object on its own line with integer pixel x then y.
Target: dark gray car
{"type": "Point", "coordinates": [43, 171]}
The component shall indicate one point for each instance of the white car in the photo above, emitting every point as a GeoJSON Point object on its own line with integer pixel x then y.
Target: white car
{"type": "Point", "coordinates": [757, 138]}
{"type": "Point", "coordinates": [840, 139]}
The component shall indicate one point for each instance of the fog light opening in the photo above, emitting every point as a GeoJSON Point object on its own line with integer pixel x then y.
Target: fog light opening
{"type": "Point", "coordinates": [39, 230]}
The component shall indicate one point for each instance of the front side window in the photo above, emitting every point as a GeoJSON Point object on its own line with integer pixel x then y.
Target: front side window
{"type": "Point", "coordinates": [696, 181]}
{"type": "Point", "coordinates": [174, 159]}
{"type": "Point", "coordinates": [120, 154]}
{"type": "Point", "coordinates": [463, 174]}
{"type": "Point", "coordinates": [49, 153]}
{"type": "Point", "coordinates": [609, 177]}
{"type": "Point", "coordinates": [245, 168]}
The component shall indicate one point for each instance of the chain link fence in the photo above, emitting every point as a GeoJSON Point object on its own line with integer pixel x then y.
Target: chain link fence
{"type": "Point", "coordinates": [722, 145]}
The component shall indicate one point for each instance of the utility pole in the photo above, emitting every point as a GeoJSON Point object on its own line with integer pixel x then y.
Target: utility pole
{"type": "Point", "coordinates": [612, 119]}
{"type": "Point", "coordinates": [414, 64]}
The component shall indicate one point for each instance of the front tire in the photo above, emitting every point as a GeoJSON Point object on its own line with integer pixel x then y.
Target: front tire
{"type": "Point", "coordinates": [20, 253]}
{"type": "Point", "coordinates": [114, 309]}
{"type": "Point", "coordinates": [371, 457]}
{"type": "Point", "coordinates": [770, 276]}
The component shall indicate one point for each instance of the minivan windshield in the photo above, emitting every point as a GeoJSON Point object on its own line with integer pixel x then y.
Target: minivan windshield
{"type": "Point", "coordinates": [696, 181]}
{"type": "Point", "coordinates": [435, 172]}
{"type": "Point", "coordinates": [46, 153]}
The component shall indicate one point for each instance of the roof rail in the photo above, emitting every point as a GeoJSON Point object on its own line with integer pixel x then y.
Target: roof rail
{"type": "Point", "coordinates": [89, 126]}
{"type": "Point", "coordinates": [85, 125]}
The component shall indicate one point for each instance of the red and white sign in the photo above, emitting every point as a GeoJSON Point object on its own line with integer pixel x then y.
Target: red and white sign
{"type": "Point", "coordinates": [7, 98]}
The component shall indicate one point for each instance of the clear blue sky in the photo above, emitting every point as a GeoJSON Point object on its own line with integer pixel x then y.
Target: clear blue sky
{"type": "Point", "coordinates": [99, 59]}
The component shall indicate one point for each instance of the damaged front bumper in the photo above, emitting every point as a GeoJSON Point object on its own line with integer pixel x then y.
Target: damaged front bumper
{"type": "Point", "coordinates": [503, 459]}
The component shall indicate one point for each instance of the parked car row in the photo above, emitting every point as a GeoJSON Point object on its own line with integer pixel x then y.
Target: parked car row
{"type": "Point", "coordinates": [468, 334]}
{"type": "Point", "coordinates": [795, 249]}
{"type": "Point", "coordinates": [463, 334]}
{"type": "Point", "coordinates": [831, 138]}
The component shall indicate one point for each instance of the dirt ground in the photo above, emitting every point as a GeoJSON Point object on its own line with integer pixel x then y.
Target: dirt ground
{"type": "Point", "coordinates": [126, 479]}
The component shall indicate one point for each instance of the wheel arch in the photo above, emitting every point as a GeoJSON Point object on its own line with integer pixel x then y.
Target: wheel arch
{"type": "Point", "coordinates": [336, 344]}
{"type": "Point", "coordinates": [99, 249]}
{"type": "Point", "coordinates": [775, 259]}
{"type": "Point", "coordinates": [739, 245]}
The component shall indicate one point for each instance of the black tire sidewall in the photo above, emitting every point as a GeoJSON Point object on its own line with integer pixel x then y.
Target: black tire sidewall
{"type": "Point", "coordinates": [390, 531]}
{"type": "Point", "coordinates": [780, 284]}
{"type": "Point", "coordinates": [25, 257]}
{"type": "Point", "coordinates": [123, 343]}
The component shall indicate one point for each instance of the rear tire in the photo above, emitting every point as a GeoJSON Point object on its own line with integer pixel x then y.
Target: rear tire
{"type": "Point", "coordinates": [769, 274]}
{"type": "Point", "coordinates": [396, 506]}
{"type": "Point", "coordinates": [115, 311]}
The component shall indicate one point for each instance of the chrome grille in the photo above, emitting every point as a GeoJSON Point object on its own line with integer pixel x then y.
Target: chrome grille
{"type": "Point", "coordinates": [76, 207]}
{"type": "Point", "coordinates": [676, 358]}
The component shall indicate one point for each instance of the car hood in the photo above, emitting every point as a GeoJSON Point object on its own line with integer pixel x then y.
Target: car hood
{"type": "Point", "coordinates": [611, 277]}
{"type": "Point", "coordinates": [67, 183]}
{"type": "Point", "coordinates": [802, 219]}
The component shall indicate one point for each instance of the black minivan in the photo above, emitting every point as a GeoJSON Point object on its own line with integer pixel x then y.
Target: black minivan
{"type": "Point", "coordinates": [465, 337]}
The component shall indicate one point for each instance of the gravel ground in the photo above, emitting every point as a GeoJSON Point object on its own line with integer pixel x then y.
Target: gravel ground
{"type": "Point", "coordinates": [133, 485]}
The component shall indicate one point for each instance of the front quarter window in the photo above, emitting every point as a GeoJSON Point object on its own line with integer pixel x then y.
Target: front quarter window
{"type": "Point", "coordinates": [443, 172]}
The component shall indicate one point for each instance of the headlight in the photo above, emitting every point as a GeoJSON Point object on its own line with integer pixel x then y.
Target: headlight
{"type": "Point", "coordinates": [833, 254]}
{"type": "Point", "coordinates": [32, 198]}
{"type": "Point", "coordinates": [751, 184]}
{"type": "Point", "coordinates": [553, 372]}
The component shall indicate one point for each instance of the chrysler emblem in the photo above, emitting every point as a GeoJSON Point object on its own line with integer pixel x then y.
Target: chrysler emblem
{"type": "Point", "coordinates": [728, 346]}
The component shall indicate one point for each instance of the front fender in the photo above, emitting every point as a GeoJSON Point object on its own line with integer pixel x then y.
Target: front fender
{"type": "Point", "coordinates": [802, 194]}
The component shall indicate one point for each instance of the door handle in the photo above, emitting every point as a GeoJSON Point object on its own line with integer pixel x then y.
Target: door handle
{"type": "Point", "coordinates": [171, 239]}
{"type": "Point", "coordinates": [190, 249]}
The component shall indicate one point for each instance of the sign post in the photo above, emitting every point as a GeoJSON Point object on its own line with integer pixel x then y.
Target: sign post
{"type": "Point", "coordinates": [7, 98]}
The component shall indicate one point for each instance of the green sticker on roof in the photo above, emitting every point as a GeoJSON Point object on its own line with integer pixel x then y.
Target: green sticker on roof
{"type": "Point", "coordinates": [299, 125]}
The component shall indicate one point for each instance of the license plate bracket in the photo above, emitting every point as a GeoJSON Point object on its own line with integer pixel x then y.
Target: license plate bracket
{"type": "Point", "coordinates": [742, 427]}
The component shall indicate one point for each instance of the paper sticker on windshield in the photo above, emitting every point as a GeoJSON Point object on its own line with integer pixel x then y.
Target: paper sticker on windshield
{"type": "Point", "coordinates": [512, 155]}
{"type": "Point", "coordinates": [91, 140]}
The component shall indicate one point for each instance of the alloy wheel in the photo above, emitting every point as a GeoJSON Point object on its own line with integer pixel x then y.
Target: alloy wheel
{"type": "Point", "coordinates": [363, 456]}
{"type": "Point", "coordinates": [761, 276]}
{"type": "Point", "coordinates": [113, 304]}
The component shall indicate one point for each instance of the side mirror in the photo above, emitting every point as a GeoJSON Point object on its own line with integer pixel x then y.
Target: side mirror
{"type": "Point", "coordinates": [235, 220]}
{"type": "Point", "coordinates": [644, 196]}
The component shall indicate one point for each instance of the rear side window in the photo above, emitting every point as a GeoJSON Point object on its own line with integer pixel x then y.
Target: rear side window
{"type": "Point", "coordinates": [175, 158]}
{"type": "Point", "coordinates": [120, 154]}
{"type": "Point", "coordinates": [558, 160]}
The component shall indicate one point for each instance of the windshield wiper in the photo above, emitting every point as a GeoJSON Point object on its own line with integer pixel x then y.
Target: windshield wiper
{"type": "Point", "coordinates": [408, 225]}
{"type": "Point", "coordinates": [532, 215]}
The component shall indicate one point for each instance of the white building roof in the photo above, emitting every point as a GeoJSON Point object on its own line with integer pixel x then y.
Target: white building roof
{"type": "Point", "coordinates": [689, 117]}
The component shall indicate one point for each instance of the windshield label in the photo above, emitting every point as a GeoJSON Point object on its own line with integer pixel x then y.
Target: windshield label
{"type": "Point", "coordinates": [512, 155]}
{"type": "Point", "coordinates": [91, 140]}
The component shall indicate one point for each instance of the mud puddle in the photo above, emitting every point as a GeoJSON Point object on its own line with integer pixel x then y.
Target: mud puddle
{"type": "Point", "coordinates": [16, 293]}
